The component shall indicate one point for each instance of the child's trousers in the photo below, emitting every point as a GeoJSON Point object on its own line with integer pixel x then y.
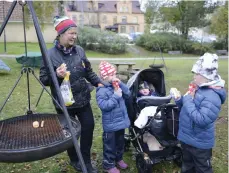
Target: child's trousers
{"type": "Point", "coordinates": [113, 148]}
{"type": "Point", "coordinates": [196, 160]}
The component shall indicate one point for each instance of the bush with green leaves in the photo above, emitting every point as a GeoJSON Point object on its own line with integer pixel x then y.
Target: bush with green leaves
{"type": "Point", "coordinates": [102, 41]}
{"type": "Point", "coordinates": [201, 48]}
{"type": "Point", "coordinates": [221, 44]}
{"type": "Point", "coordinates": [165, 42]}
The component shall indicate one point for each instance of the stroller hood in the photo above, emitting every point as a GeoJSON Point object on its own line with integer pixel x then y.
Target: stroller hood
{"type": "Point", "coordinates": [153, 76]}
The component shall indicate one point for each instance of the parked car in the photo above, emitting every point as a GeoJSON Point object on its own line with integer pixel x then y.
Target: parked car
{"type": "Point", "coordinates": [126, 36]}
{"type": "Point", "coordinates": [203, 39]}
{"type": "Point", "coordinates": [135, 35]}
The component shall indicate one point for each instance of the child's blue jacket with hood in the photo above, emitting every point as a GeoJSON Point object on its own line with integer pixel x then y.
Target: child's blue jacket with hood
{"type": "Point", "coordinates": [198, 115]}
{"type": "Point", "coordinates": [114, 112]}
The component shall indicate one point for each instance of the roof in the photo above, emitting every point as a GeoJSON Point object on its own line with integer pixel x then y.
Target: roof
{"type": "Point", "coordinates": [107, 6]}
{"type": "Point", "coordinates": [16, 15]}
{"type": "Point", "coordinates": [77, 5]}
{"type": "Point", "coordinates": [136, 7]}
{"type": "Point", "coordinates": [103, 6]}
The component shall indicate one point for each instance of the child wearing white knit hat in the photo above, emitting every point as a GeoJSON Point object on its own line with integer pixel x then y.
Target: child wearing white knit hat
{"type": "Point", "coordinates": [199, 109]}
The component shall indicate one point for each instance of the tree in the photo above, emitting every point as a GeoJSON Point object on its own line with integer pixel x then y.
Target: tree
{"type": "Point", "coordinates": [151, 13]}
{"type": "Point", "coordinates": [44, 11]}
{"type": "Point", "coordinates": [219, 22]}
{"type": "Point", "coordinates": [186, 14]}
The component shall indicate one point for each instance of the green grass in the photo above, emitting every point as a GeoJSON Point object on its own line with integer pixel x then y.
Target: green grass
{"type": "Point", "coordinates": [19, 48]}
{"type": "Point", "coordinates": [177, 75]}
{"type": "Point", "coordinates": [132, 51]}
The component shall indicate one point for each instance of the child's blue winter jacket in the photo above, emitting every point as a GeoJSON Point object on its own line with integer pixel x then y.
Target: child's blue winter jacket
{"type": "Point", "coordinates": [198, 115]}
{"type": "Point", "coordinates": [114, 112]}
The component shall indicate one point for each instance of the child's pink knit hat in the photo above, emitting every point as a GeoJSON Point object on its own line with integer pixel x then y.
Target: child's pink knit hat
{"type": "Point", "coordinates": [106, 69]}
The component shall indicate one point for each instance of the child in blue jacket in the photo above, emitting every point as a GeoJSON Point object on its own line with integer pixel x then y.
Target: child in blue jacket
{"type": "Point", "coordinates": [110, 99]}
{"type": "Point", "coordinates": [199, 110]}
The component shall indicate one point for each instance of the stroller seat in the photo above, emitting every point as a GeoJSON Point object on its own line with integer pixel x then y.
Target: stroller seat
{"type": "Point", "coordinates": [146, 101]}
{"type": "Point", "coordinates": [161, 125]}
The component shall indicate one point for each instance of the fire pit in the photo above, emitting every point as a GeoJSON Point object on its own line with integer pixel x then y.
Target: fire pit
{"type": "Point", "coordinates": [21, 142]}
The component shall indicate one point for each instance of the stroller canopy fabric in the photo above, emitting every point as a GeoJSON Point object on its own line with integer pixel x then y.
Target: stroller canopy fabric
{"type": "Point", "coordinates": [3, 66]}
{"type": "Point", "coordinates": [152, 76]}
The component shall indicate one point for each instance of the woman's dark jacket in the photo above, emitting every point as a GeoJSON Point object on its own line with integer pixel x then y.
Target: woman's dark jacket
{"type": "Point", "coordinates": [80, 69]}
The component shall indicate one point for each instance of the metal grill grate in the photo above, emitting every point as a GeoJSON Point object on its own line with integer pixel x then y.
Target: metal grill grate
{"type": "Point", "coordinates": [19, 133]}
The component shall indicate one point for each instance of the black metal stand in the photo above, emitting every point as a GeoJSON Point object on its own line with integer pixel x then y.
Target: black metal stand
{"type": "Point", "coordinates": [28, 70]}
{"type": "Point", "coordinates": [49, 66]}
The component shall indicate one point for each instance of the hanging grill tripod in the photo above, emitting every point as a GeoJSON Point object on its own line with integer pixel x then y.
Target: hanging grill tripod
{"type": "Point", "coordinates": [19, 140]}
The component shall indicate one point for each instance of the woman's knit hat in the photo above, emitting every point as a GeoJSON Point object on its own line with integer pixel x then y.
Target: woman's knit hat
{"type": "Point", "coordinates": [207, 66]}
{"type": "Point", "coordinates": [62, 24]}
{"type": "Point", "coordinates": [106, 69]}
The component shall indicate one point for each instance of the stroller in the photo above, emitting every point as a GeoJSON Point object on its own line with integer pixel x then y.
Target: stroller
{"type": "Point", "coordinates": [163, 125]}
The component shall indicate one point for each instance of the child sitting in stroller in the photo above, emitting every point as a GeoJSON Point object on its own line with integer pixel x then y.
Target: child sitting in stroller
{"type": "Point", "coordinates": [147, 90]}
{"type": "Point", "coordinates": [162, 125]}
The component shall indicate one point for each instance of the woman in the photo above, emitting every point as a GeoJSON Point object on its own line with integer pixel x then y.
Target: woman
{"type": "Point", "coordinates": [65, 51]}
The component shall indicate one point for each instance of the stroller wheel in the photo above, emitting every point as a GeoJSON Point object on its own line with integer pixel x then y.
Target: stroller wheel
{"type": "Point", "coordinates": [143, 164]}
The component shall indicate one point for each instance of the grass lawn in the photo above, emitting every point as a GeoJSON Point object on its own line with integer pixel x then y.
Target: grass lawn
{"type": "Point", "coordinates": [177, 75]}
{"type": "Point", "coordinates": [132, 51]}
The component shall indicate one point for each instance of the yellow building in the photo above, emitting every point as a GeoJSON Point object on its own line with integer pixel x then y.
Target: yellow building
{"type": "Point", "coordinates": [14, 31]}
{"type": "Point", "coordinates": [123, 16]}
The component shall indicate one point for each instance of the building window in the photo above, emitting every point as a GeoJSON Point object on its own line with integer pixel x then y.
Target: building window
{"type": "Point", "coordinates": [104, 19]}
{"type": "Point", "coordinates": [123, 29]}
{"type": "Point", "coordinates": [132, 29]}
{"type": "Point", "coordinates": [114, 20]}
{"type": "Point", "coordinates": [121, 9]}
{"type": "Point", "coordinates": [125, 9]}
{"type": "Point", "coordinates": [135, 19]}
{"type": "Point", "coordinates": [124, 19]}
{"type": "Point", "coordinates": [81, 19]}
{"type": "Point", "coordinates": [74, 18]}
{"type": "Point", "coordinates": [93, 20]}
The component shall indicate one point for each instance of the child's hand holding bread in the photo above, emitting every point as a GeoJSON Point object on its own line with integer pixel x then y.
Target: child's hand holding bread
{"type": "Point", "coordinates": [175, 93]}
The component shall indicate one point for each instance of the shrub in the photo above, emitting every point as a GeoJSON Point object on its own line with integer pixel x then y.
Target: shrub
{"type": "Point", "coordinates": [171, 42]}
{"type": "Point", "coordinates": [102, 41]}
{"type": "Point", "coordinates": [164, 41]}
{"type": "Point", "coordinates": [220, 44]}
{"type": "Point", "coordinates": [200, 49]}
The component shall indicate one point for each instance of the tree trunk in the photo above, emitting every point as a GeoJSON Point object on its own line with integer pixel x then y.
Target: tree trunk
{"type": "Point", "coordinates": [61, 8]}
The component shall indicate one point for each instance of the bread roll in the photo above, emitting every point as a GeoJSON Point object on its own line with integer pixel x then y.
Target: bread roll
{"type": "Point", "coordinates": [42, 123]}
{"type": "Point", "coordinates": [175, 92]}
{"type": "Point", "coordinates": [35, 124]}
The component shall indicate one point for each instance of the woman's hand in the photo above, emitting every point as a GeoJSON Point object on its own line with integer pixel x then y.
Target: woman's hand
{"type": "Point", "coordinates": [61, 71]}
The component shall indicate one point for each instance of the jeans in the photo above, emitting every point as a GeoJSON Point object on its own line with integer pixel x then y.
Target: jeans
{"type": "Point", "coordinates": [86, 119]}
{"type": "Point", "coordinates": [113, 148]}
{"type": "Point", "coordinates": [196, 160]}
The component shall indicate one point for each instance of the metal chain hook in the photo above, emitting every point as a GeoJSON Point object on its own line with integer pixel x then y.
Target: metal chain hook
{"type": "Point", "coordinates": [22, 2]}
